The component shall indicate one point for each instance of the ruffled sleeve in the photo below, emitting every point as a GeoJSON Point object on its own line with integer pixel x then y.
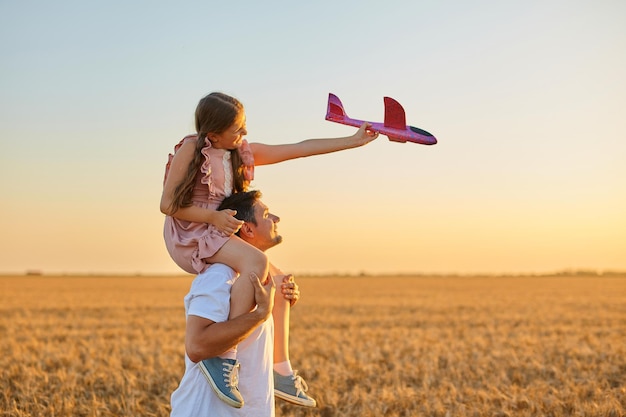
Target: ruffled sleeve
{"type": "Point", "coordinates": [171, 156]}
{"type": "Point", "coordinates": [247, 157]}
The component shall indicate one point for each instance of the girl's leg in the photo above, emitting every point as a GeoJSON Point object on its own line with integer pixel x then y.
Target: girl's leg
{"type": "Point", "coordinates": [245, 259]}
{"type": "Point", "coordinates": [281, 313]}
{"type": "Point", "coordinates": [288, 385]}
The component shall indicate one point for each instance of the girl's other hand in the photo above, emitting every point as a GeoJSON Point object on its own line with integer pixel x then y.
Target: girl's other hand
{"type": "Point", "coordinates": [290, 289]}
{"type": "Point", "coordinates": [226, 223]}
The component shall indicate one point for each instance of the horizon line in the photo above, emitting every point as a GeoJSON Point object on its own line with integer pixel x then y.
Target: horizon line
{"type": "Point", "coordinates": [562, 272]}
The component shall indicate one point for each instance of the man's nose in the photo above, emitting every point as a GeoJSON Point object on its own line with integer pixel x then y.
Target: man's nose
{"type": "Point", "coordinates": [275, 218]}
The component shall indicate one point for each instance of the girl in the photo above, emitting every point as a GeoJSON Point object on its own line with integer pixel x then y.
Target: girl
{"type": "Point", "coordinates": [204, 169]}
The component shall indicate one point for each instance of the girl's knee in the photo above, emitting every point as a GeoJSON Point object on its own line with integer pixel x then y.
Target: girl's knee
{"type": "Point", "coordinates": [242, 257]}
{"type": "Point", "coordinates": [255, 261]}
{"type": "Point", "coordinates": [262, 260]}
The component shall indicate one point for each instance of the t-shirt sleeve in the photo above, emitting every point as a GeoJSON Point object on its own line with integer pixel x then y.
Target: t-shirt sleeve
{"type": "Point", "coordinates": [209, 296]}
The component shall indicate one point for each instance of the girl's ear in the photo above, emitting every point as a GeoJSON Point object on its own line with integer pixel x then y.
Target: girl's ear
{"type": "Point", "coordinates": [212, 137]}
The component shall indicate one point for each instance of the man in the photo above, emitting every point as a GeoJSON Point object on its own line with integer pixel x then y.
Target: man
{"type": "Point", "coordinates": [209, 332]}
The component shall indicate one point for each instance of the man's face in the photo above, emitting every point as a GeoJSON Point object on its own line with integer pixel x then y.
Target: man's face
{"type": "Point", "coordinates": [265, 233]}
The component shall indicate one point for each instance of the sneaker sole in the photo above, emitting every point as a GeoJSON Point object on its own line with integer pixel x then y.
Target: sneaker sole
{"type": "Point", "coordinates": [220, 395]}
{"type": "Point", "coordinates": [295, 400]}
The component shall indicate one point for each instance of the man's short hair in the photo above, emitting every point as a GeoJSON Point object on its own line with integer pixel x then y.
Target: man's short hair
{"type": "Point", "coordinates": [243, 202]}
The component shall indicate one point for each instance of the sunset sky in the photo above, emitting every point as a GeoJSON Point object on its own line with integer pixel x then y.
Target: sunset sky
{"type": "Point", "coordinates": [527, 100]}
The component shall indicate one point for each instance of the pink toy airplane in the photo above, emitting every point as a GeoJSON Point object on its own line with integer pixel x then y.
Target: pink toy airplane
{"type": "Point", "coordinates": [394, 127]}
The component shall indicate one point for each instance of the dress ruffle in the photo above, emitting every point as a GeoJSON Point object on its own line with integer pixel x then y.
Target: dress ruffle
{"type": "Point", "coordinates": [208, 244]}
{"type": "Point", "coordinates": [246, 157]}
{"type": "Point", "coordinates": [206, 166]}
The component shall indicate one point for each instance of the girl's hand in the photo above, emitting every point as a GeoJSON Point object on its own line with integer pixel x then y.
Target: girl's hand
{"type": "Point", "coordinates": [364, 136]}
{"type": "Point", "coordinates": [225, 221]}
{"type": "Point", "coordinates": [290, 289]}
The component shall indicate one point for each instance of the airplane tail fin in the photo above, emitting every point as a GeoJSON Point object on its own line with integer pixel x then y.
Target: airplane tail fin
{"type": "Point", "coordinates": [335, 109]}
{"type": "Point", "coordinates": [394, 114]}
{"type": "Point", "coordinates": [394, 117]}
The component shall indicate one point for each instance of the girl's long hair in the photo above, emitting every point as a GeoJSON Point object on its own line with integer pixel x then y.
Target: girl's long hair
{"type": "Point", "coordinates": [214, 114]}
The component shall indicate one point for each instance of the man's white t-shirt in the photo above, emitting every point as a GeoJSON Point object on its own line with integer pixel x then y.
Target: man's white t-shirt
{"type": "Point", "coordinates": [209, 297]}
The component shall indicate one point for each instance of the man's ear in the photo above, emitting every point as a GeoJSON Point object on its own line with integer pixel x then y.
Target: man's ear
{"type": "Point", "coordinates": [246, 230]}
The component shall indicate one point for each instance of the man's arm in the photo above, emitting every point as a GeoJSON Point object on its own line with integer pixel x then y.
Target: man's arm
{"type": "Point", "coordinates": [205, 338]}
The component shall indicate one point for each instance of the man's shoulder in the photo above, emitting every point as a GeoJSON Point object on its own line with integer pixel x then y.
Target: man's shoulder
{"type": "Point", "coordinates": [209, 294]}
{"type": "Point", "coordinates": [217, 269]}
{"type": "Point", "coordinates": [214, 277]}
{"type": "Point", "coordinates": [220, 269]}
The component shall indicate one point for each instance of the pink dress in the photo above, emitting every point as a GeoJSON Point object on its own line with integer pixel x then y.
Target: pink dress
{"type": "Point", "coordinates": [189, 243]}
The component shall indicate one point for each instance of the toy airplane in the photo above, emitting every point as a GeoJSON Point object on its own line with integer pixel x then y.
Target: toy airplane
{"type": "Point", "coordinates": [394, 127]}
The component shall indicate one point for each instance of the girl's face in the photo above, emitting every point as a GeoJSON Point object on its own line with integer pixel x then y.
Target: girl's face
{"type": "Point", "coordinates": [232, 137]}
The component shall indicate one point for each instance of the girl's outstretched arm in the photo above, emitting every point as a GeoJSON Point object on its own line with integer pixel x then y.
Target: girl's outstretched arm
{"type": "Point", "coordinates": [272, 154]}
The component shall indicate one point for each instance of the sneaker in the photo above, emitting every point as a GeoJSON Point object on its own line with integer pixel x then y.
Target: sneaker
{"type": "Point", "coordinates": [292, 388]}
{"type": "Point", "coordinates": [223, 375]}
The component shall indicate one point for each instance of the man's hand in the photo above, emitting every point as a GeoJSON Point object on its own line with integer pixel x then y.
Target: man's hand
{"type": "Point", "coordinates": [263, 295]}
{"type": "Point", "coordinates": [290, 289]}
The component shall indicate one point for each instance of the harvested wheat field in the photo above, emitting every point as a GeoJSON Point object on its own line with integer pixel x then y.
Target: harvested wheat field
{"type": "Point", "coordinates": [367, 346]}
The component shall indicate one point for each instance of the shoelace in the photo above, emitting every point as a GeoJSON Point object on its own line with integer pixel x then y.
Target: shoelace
{"type": "Point", "coordinates": [231, 374]}
{"type": "Point", "coordinates": [299, 383]}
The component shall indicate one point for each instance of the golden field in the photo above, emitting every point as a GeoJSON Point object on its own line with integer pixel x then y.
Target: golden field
{"type": "Point", "coordinates": [367, 346]}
